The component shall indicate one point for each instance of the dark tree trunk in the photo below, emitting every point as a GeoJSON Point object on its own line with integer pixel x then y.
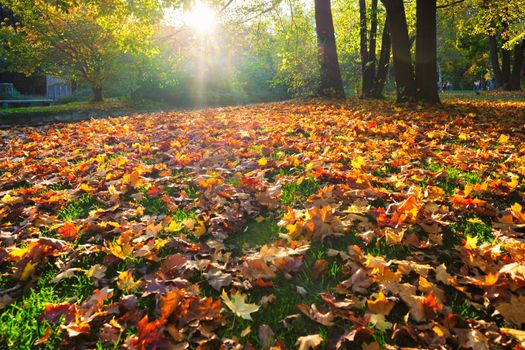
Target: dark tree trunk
{"type": "Point", "coordinates": [368, 49]}
{"type": "Point", "coordinates": [97, 94]}
{"type": "Point", "coordinates": [363, 44]}
{"type": "Point", "coordinates": [372, 60]}
{"type": "Point", "coordinates": [426, 51]}
{"type": "Point", "coordinates": [505, 68]}
{"type": "Point", "coordinates": [331, 81]}
{"type": "Point", "coordinates": [405, 82]}
{"type": "Point", "coordinates": [517, 67]}
{"type": "Point", "coordinates": [494, 62]}
{"type": "Point", "coordinates": [384, 61]}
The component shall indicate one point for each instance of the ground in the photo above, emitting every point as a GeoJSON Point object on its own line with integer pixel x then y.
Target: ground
{"type": "Point", "coordinates": [298, 224]}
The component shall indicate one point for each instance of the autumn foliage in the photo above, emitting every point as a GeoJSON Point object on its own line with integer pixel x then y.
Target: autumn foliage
{"type": "Point", "coordinates": [418, 216]}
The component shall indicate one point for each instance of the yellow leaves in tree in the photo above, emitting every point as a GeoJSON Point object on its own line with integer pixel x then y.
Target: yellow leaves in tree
{"type": "Point", "coordinates": [126, 283]}
{"type": "Point", "coordinates": [237, 304]}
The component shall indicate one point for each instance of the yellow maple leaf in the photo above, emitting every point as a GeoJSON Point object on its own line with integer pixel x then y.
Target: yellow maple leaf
{"type": "Point", "coordinates": [358, 162]}
{"type": "Point", "coordinates": [503, 139]}
{"type": "Point", "coordinates": [471, 242]}
{"type": "Point", "coordinates": [263, 161]}
{"type": "Point", "coordinates": [29, 270]}
{"type": "Point", "coordinates": [237, 303]}
{"type": "Point", "coordinates": [126, 283]}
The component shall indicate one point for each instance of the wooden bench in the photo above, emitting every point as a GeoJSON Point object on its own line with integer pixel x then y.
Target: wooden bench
{"type": "Point", "coordinates": [25, 103]}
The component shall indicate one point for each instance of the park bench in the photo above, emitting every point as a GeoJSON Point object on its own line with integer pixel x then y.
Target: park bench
{"type": "Point", "coordinates": [25, 103]}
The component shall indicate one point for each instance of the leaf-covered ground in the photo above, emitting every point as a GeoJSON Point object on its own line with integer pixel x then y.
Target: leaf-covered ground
{"type": "Point", "coordinates": [305, 224]}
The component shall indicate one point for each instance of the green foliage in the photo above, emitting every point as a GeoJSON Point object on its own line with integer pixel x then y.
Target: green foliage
{"type": "Point", "coordinates": [80, 41]}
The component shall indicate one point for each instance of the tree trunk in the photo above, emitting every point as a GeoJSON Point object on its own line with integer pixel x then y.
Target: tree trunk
{"type": "Point", "coordinates": [97, 94]}
{"type": "Point", "coordinates": [505, 68]}
{"type": "Point", "coordinates": [363, 45]}
{"type": "Point", "coordinates": [426, 51]}
{"type": "Point", "coordinates": [405, 82]}
{"type": "Point", "coordinates": [494, 62]}
{"type": "Point", "coordinates": [517, 67]}
{"type": "Point", "coordinates": [372, 60]}
{"type": "Point", "coordinates": [331, 81]}
{"type": "Point", "coordinates": [384, 61]}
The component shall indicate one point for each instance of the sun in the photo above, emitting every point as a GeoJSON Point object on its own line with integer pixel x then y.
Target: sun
{"type": "Point", "coordinates": [201, 17]}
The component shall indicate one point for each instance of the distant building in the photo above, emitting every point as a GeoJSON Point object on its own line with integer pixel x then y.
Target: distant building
{"type": "Point", "coordinates": [57, 88]}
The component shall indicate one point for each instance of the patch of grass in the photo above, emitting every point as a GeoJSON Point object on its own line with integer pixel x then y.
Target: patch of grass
{"type": "Point", "coordinates": [193, 192]}
{"type": "Point", "coordinates": [77, 209]}
{"type": "Point", "coordinates": [256, 148]}
{"type": "Point", "coordinates": [58, 186]}
{"type": "Point", "coordinates": [278, 155]}
{"type": "Point", "coordinates": [469, 177]}
{"type": "Point", "coordinates": [474, 226]}
{"type": "Point", "coordinates": [284, 171]}
{"type": "Point", "coordinates": [446, 186]}
{"type": "Point", "coordinates": [155, 206]}
{"type": "Point", "coordinates": [386, 170]}
{"type": "Point", "coordinates": [379, 247]}
{"type": "Point", "coordinates": [294, 194]}
{"type": "Point", "coordinates": [20, 326]}
{"type": "Point", "coordinates": [233, 181]}
{"type": "Point", "coordinates": [285, 304]}
{"type": "Point", "coordinates": [254, 234]}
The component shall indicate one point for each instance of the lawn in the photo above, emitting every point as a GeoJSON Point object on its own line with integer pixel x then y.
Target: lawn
{"type": "Point", "coordinates": [301, 224]}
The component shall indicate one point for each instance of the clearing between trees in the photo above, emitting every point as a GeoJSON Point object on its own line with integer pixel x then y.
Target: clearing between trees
{"type": "Point", "coordinates": [301, 224]}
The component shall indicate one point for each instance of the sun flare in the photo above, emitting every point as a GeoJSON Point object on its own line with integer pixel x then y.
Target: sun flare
{"type": "Point", "coordinates": [201, 17]}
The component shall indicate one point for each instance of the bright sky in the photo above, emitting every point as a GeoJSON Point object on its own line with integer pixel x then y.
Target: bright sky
{"type": "Point", "coordinates": [202, 18]}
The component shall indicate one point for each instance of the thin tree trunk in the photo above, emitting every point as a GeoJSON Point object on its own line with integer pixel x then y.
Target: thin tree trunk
{"type": "Point", "coordinates": [384, 62]}
{"type": "Point", "coordinates": [426, 51]}
{"type": "Point", "coordinates": [363, 45]}
{"type": "Point", "coordinates": [372, 60]}
{"type": "Point", "coordinates": [97, 94]}
{"type": "Point", "coordinates": [494, 62]}
{"type": "Point", "coordinates": [517, 67]}
{"type": "Point", "coordinates": [404, 73]}
{"type": "Point", "coordinates": [331, 81]}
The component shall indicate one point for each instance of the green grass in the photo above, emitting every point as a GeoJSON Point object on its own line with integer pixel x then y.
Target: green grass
{"type": "Point", "coordinates": [285, 304]}
{"type": "Point", "coordinates": [295, 194]}
{"type": "Point", "coordinates": [474, 226]}
{"type": "Point", "coordinates": [483, 96]}
{"type": "Point", "coordinates": [77, 209]}
{"type": "Point", "coordinates": [379, 247]}
{"type": "Point", "coordinates": [453, 179]}
{"type": "Point", "coordinates": [254, 234]}
{"type": "Point", "coordinates": [20, 325]}
{"type": "Point", "coordinates": [108, 107]}
{"type": "Point", "coordinates": [385, 171]}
